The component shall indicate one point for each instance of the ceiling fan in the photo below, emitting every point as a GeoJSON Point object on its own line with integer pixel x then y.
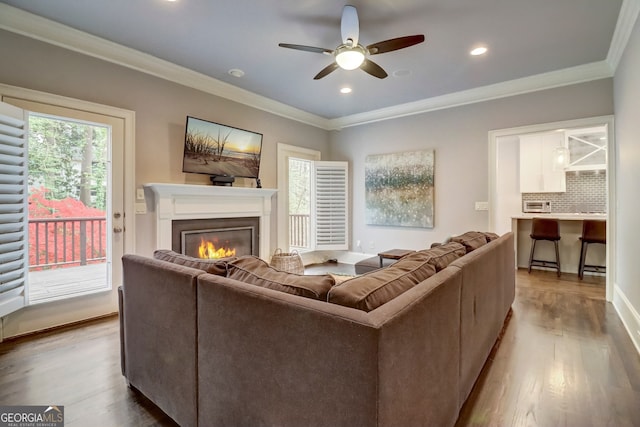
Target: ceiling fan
{"type": "Point", "coordinates": [351, 54]}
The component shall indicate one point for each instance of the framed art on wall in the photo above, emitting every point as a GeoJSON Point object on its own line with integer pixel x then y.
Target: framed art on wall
{"type": "Point", "coordinates": [399, 189]}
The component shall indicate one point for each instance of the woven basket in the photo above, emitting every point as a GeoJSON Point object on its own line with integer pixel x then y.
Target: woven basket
{"type": "Point", "coordinates": [287, 261]}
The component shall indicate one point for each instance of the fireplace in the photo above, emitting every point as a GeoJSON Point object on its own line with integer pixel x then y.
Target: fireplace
{"type": "Point", "coordinates": [177, 202]}
{"type": "Point", "coordinates": [216, 238]}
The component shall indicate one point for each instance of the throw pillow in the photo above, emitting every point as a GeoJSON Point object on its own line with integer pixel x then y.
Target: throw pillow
{"type": "Point", "coordinates": [373, 289]}
{"type": "Point", "coordinates": [490, 236]}
{"type": "Point", "coordinates": [253, 270]}
{"type": "Point", "coordinates": [471, 240]}
{"type": "Point", "coordinates": [213, 266]}
{"type": "Point", "coordinates": [443, 255]}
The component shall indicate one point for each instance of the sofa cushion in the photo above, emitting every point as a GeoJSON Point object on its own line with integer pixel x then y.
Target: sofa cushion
{"type": "Point", "coordinates": [253, 270]}
{"type": "Point", "coordinates": [443, 255]}
{"type": "Point", "coordinates": [490, 236]}
{"type": "Point", "coordinates": [213, 266]}
{"type": "Point", "coordinates": [371, 290]}
{"type": "Point", "coordinates": [471, 240]}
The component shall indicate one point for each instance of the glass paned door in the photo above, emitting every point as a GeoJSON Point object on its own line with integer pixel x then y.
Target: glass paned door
{"type": "Point", "coordinates": [76, 219]}
{"type": "Point", "coordinates": [68, 188]}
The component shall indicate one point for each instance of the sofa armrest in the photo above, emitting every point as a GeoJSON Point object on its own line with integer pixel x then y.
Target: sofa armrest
{"type": "Point", "coordinates": [419, 353]}
{"type": "Point", "coordinates": [159, 300]}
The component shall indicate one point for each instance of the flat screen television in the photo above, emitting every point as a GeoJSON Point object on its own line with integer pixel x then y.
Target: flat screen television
{"type": "Point", "coordinates": [221, 151]}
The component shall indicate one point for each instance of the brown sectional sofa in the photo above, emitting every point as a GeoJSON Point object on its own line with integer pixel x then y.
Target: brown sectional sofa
{"type": "Point", "coordinates": [211, 350]}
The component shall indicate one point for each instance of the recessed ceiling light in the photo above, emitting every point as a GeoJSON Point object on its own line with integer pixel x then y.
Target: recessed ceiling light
{"type": "Point", "coordinates": [345, 90]}
{"type": "Point", "coordinates": [401, 73]}
{"type": "Point", "coordinates": [235, 72]}
{"type": "Point", "coordinates": [479, 51]}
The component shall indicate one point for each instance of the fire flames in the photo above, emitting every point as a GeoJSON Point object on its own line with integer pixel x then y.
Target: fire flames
{"type": "Point", "coordinates": [207, 250]}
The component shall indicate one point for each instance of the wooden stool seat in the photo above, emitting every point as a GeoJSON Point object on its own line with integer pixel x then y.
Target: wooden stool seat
{"type": "Point", "coordinates": [593, 231]}
{"type": "Point", "coordinates": [545, 229]}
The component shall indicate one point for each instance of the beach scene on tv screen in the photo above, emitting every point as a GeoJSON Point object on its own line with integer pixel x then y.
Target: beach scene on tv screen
{"type": "Point", "coordinates": [215, 149]}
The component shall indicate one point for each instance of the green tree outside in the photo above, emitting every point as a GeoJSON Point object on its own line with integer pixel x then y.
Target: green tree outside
{"type": "Point", "coordinates": [68, 158]}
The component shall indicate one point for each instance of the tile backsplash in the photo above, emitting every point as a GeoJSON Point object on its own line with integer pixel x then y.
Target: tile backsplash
{"type": "Point", "coordinates": [586, 192]}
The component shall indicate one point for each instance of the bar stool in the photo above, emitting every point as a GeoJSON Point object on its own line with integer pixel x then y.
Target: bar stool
{"type": "Point", "coordinates": [545, 229]}
{"type": "Point", "coordinates": [593, 231]}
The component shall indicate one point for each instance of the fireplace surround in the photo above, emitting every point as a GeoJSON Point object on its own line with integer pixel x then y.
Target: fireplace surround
{"type": "Point", "coordinates": [222, 235]}
{"type": "Point", "coordinates": [178, 202]}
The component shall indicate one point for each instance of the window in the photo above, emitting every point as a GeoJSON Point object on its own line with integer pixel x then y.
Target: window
{"type": "Point", "coordinates": [299, 206]}
{"type": "Point", "coordinates": [314, 197]}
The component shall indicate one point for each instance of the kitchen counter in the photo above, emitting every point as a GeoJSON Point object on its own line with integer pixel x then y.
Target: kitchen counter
{"type": "Point", "coordinates": [569, 244]}
{"type": "Point", "coordinates": [562, 216]}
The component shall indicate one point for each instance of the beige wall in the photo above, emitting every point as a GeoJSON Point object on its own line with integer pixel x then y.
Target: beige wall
{"type": "Point", "coordinates": [627, 111]}
{"type": "Point", "coordinates": [160, 106]}
{"type": "Point", "coordinates": [459, 137]}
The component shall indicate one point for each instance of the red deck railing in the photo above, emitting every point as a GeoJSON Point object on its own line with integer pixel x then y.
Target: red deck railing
{"type": "Point", "coordinates": [65, 242]}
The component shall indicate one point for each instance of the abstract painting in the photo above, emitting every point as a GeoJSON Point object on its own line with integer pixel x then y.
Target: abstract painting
{"type": "Point", "coordinates": [399, 189]}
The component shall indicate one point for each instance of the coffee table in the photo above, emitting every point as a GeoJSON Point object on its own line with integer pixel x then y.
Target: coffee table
{"type": "Point", "coordinates": [394, 254]}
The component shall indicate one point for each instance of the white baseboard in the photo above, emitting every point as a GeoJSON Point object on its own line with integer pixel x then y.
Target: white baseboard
{"type": "Point", "coordinates": [628, 314]}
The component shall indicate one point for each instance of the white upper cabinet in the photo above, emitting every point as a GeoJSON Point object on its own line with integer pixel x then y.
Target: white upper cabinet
{"type": "Point", "coordinates": [537, 171]}
{"type": "Point", "coordinates": [587, 148]}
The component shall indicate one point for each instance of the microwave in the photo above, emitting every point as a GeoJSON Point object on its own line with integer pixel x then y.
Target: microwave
{"type": "Point", "coordinates": [536, 206]}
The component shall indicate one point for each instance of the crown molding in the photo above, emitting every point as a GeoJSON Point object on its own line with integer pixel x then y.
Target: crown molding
{"type": "Point", "coordinates": [27, 24]}
{"type": "Point", "coordinates": [626, 20]}
{"type": "Point", "coordinates": [553, 79]}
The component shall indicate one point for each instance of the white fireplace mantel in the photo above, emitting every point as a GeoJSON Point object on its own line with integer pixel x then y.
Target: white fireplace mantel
{"type": "Point", "coordinates": [185, 201]}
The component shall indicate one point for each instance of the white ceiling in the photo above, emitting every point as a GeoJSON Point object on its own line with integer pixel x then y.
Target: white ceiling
{"type": "Point", "coordinates": [525, 38]}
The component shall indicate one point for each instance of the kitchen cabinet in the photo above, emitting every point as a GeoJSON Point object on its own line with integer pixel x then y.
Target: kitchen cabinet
{"type": "Point", "coordinates": [537, 171]}
{"type": "Point", "coordinates": [587, 148]}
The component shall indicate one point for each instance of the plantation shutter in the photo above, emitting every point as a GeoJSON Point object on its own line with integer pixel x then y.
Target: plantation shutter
{"type": "Point", "coordinates": [331, 213]}
{"type": "Point", "coordinates": [13, 208]}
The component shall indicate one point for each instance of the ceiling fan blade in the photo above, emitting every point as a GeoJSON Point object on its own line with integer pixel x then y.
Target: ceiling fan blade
{"type": "Point", "coordinates": [326, 70]}
{"type": "Point", "coordinates": [306, 48]}
{"type": "Point", "coordinates": [394, 44]}
{"type": "Point", "coordinates": [374, 69]}
{"type": "Point", "coordinates": [349, 25]}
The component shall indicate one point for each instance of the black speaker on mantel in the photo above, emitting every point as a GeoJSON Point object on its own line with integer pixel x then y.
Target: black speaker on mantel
{"type": "Point", "coordinates": [223, 180]}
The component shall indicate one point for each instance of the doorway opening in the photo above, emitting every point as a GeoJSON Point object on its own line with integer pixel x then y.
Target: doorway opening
{"type": "Point", "coordinates": [505, 198]}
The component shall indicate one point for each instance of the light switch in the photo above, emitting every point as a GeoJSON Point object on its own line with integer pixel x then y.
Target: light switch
{"type": "Point", "coordinates": [482, 206]}
{"type": "Point", "coordinates": [140, 193]}
{"type": "Point", "coordinates": [141, 208]}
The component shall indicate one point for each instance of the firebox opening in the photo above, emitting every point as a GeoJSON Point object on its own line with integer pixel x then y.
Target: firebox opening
{"type": "Point", "coordinates": [216, 238]}
{"type": "Point", "coordinates": [218, 243]}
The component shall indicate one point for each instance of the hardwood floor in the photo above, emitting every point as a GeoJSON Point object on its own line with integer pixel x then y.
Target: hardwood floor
{"type": "Point", "coordinates": [78, 367]}
{"type": "Point", "coordinates": [564, 360]}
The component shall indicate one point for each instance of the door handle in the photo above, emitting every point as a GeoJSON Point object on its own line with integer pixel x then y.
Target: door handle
{"type": "Point", "coordinates": [117, 229]}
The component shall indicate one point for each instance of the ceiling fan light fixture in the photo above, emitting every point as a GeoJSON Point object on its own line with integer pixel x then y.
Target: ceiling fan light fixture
{"type": "Point", "coordinates": [481, 50]}
{"type": "Point", "coordinates": [349, 58]}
